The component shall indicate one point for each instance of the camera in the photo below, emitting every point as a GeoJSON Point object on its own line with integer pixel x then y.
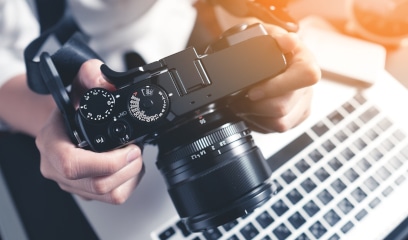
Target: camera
{"type": "Point", "coordinates": [212, 168]}
{"type": "Point", "coordinates": [214, 171]}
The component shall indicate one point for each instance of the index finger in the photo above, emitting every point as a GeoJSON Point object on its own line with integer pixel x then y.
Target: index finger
{"type": "Point", "coordinates": [83, 163]}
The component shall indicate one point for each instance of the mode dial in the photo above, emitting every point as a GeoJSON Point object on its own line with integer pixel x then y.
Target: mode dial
{"type": "Point", "coordinates": [97, 104]}
{"type": "Point", "coordinates": [148, 104]}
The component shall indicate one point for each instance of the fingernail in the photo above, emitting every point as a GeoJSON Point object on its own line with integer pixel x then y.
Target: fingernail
{"type": "Point", "coordinates": [132, 155]}
{"type": "Point", "coordinates": [256, 94]}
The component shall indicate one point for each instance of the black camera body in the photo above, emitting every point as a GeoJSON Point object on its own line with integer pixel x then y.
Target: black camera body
{"type": "Point", "coordinates": [213, 169]}
{"type": "Point", "coordinates": [179, 88]}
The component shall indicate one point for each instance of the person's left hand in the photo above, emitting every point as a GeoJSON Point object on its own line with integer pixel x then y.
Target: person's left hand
{"type": "Point", "coordinates": [109, 176]}
{"type": "Point", "coordinates": [282, 102]}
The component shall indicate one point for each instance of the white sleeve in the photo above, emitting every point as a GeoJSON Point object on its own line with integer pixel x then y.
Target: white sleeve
{"type": "Point", "coordinates": [18, 27]}
{"type": "Point", "coordinates": [153, 28]}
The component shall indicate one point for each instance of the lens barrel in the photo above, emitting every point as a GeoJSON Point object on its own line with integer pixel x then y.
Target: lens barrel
{"type": "Point", "coordinates": [217, 177]}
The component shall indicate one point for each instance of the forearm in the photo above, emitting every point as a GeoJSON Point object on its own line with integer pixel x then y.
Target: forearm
{"type": "Point", "coordinates": [22, 109]}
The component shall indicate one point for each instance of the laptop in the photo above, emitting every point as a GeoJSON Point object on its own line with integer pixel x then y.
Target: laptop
{"type": "Point", "coordinates": [341, 174]}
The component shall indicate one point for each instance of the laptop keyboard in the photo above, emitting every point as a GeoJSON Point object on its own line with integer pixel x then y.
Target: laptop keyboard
{"type": "Point", "coordinates": [328, 180]}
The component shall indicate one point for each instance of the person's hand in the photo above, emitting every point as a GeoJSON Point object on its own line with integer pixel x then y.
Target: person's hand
{"type": "Point", "coordinates": [109, 176]}
{"type": "Point", "coordinates": [282, 102]}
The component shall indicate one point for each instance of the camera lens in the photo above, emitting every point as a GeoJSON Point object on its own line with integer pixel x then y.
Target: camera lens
{"type": "Point", "coordinates": [217, 177]}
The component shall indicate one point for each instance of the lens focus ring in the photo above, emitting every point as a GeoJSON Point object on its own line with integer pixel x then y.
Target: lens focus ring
{"type": "Point", "coordinates": [216, 139]}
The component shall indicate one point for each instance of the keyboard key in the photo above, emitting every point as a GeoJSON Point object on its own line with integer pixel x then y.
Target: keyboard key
{"type": "Point", "coordinates": [249, 231]}
{"type": "Point", "coordinates": [353, 127]}
{"type": "Point", "coordinates": [315, 155]}
{"type": "Point", "coordinates": [347, 154]}
{"type": "Point", "coordinates": [212, 234]}
{"type": "Point", "coordinates": [230, 225]}
{"type": "Point", "coordinates": [317, 229]}
{"type": "Point", "coordinates": [264, 219]}
{"type": "Point", "coordinates": [387, 145]}
{"type": "Point", "coordinates": [320, 128]}
{"type": "Point", "coordinates": [383, 173]}
{"type": "Point", "coordinates": [322, 174]}
{"type": "Point", "coordinates": [374, 203]}
{"type": "Point", "coordinates": [280, 207]}
{"type": "Point", "coordinates": [308, 185]}
{"type": "Point", "coordinates": [376, 154]}
{"type": "Point", "coordinates": [297, 220]}
{"type": "Point", "coordinates": [347, 227]}
{"type": "Point", "coordinates": [345, 206]}
{"type": "Point", "coordinates": [334, 237]}
{"type": "Point", "coordinates": [233, 237]}
{"type": "Point", "coordinates": [167, 234]}
{"type": "Point", "coordinates": [358, 194]}
{"type": "Point", "coordinates": [364, 165]}
{"type": "Point", "coordinates": [341, 136]}
{"type": "Point", "coordinates": [384, 124]}
{"type": "Point", "coordinates": [294, 196]}
{"type": "Point", "coordinates": [399, 135]}
{"type": "Point", "coordinates": [328, 146]}
{"type": "Point", "coordinates": [338, 185]}
{"type": "Point", "coordinates": [371, 183]}
{"type": "Point", "coordinates": [311, 208]}
{"type": "Point", "coordinates": [332, 218]}
{"type": "Point", "coordinates": [360, 144]}
{"type": "Point", "coordinates": [387, 191]}
{"type": "Point", "coordinates": [302, 236]}
{"type": "Point", "coordinates": [282, 232]}
{"type": "Point", "coordinates": [289, 151]}
{"type": "Point", "coordinates": [348, 107]}
{"type": "Point", "coordinates": [288, 176]}
{"type": "Point", "coordinates": [325, 197]}
{"type": "Point", "coordinates": [371, 134]}
{"type": "Point", "coordinates": [351, 175]}
{"type": "Point", "coordinates": [183, 228]}
{"type": "Point", "coordinates": [360, 215]}
{"type": "Point", "coordinates": [395, 163]}
{"type": "Point", "coordinates": [369, 114]}
{"type": "Point", "coordinates": [302, 166]}
{"type": "Point", "coordinates": [335, 164]}
{"type": "Point", "coordinates": [360, 99]}
{"type": "Point", "coordinates": [400, 180]}
{"type": "Point", "coordinates": [335, 117]}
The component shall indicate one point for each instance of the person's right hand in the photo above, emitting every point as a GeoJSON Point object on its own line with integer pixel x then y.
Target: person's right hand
{"type": "Point", "coordinates": [109, 176]}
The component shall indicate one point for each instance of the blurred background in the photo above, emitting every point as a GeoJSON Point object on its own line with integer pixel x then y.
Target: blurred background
{"type": "Point", "coordinates": [381, 21]}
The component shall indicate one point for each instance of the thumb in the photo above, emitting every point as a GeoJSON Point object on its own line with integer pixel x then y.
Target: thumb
{"type": "Point", "coordinates": [89, 76]}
